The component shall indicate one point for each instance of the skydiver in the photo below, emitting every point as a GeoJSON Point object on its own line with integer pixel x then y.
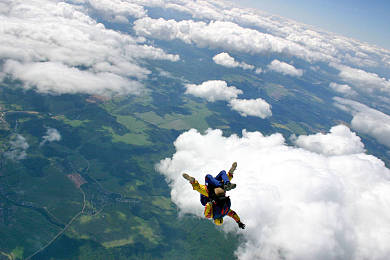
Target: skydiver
{"type": "Point", "coordinates": [213, 195]}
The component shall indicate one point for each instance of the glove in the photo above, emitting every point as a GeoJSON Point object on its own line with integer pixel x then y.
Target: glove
{"type": "Point", "coordinates": [241, 225]}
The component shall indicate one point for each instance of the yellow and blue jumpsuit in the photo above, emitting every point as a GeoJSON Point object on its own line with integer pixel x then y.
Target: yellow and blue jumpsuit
{"type": "Point", "coordinates": [211, 210]}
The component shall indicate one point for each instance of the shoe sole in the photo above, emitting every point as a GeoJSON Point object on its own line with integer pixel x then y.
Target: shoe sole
{"type": "Point", "coordinates": [233, 168]}
{"type": "Point", "coordinates": [230, 187]}
{"type": "Point", "coordinates": [188, 177]}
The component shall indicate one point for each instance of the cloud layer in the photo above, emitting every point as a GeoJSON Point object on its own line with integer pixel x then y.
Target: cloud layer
{"type": "Point", "coordinates": [367, 120]}
{"type": "Point", "coordinates": [229, 28]}
{"type": "Point", "coordinates": [220, 34]}
{"type": "Point", "coordinates": [313, 43]}
{"type": "Point", "coordinates": [87, 48]}
{"type": "Point", "coordinates": [364, 81]}
{"type": "Point", "coordinates": [57, 78]}
{"type": "Point", "coordinates": [282, 35]}
{"type": "Point", "coordinates": [297, 204]}
{"type": "Point", "coordinates": [58, 48]}
{"type": "Point", "coordinates": [118, 10]}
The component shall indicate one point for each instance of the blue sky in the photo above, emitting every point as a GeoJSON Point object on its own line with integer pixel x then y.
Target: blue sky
{"type": "Point", "coordinates": [364, 20]}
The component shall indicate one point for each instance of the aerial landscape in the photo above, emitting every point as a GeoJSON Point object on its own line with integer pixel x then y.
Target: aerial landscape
{"type": "Point", "coordinates": [104, 104]}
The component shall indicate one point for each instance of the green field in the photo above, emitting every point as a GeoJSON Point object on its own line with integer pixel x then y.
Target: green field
{"type": "Point", "coordinates": [115, 154]}
{"type": "Point", "coordinates": [123, 209]}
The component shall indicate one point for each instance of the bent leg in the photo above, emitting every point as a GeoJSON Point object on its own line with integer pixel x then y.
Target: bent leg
{"type": "Point", "coordinates": [231, 171]}
{"type": "Point", "coordinates": [234, 215]}
{"type": "Point", "coordinates": [222, 176]}
{"type": "Point", "coordinates": [230, 176]}
{"type": "Point", "coordinates": [208, 210]}
{"type": "Point", "coordinates": [210, 180]}
{"type": "Point", "coordinates": [226, 184]}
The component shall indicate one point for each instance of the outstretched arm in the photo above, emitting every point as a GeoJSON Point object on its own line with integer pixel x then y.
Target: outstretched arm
{"type": "Point", "coordinates": [202, 189]}
{"type": "Point", "coordinates": [234, 215]}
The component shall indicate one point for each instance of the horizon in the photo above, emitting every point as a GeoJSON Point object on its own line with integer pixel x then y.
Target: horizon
{"type": "Point", "coordinates": [360, 20]}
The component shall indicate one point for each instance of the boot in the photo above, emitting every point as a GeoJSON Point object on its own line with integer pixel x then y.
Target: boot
{"type": "Point", "coordinates": [233, 168]}
{"type": "Point", "coordinates": [189, 178]}
{"type": "Point", "coordinates": [229, 186]}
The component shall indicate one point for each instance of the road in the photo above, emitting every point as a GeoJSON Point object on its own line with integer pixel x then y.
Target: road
{"type": "Point", "coordinates": [62, 231]}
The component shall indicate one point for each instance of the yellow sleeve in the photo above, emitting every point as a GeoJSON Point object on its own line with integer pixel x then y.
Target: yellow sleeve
{"type": "Point", "coordinates": [234, 215]}
{"type": "Point", "coordinates": [202, 189]}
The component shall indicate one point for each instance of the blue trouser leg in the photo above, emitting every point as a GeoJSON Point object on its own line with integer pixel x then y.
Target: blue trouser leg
{"type": "Point", "coordinates": [210, 180]}
{"type": "Point", "coordinates": [222, 176]}
{"type": "Point", "coordinates": [216, 182]}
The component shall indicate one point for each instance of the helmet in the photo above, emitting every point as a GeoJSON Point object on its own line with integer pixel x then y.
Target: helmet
{"type": "Point", "coordinates": [218, 221]}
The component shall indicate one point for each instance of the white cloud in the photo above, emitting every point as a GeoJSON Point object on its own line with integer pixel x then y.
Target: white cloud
{"type": "Point", "coordinates": [213, 90]}
{"type": "Point", "coordinates": [339, 141]}
{"type": "Point", "coordinates": [285, 68]}
{"type": "Point", "coordinates": [198, 9]}
{"type": "Point", "coordinates": [258, 70]}
{"type": "Point", "coordinates": [305, 41]}
{"type": "Point", "coordinates": [117, 8]}
{"type": "Point", "coordinates": [251, 107]}
{"type": "Point", "coordinates": [220, 34]}
{"type": "Point", "coordinates": [40, 33]}
{"type": "Point", "coordinates": [363, 80]}
{"type": "Point", "coordinates": [52, 135]}
{"type": "Point", "coordinates": [57, 78]}
{"type": "Point", "coordinates": [367, 120]}
{"type": "Point", "coordinates": [343, 89]}
{"type": "Point", "coordinates": [18, 148]}
{"type": "Point", "coordinates": [224, 59]}
{"type": "Point", "coordinates": [296, 204]}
